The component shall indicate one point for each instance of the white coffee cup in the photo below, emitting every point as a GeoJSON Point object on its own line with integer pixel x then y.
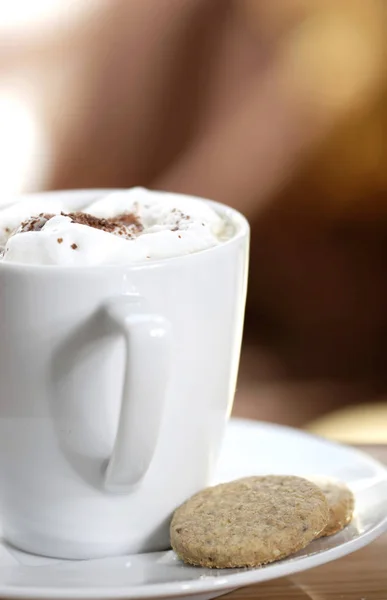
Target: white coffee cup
{"type": "Point", "coordinates": [115, 388]}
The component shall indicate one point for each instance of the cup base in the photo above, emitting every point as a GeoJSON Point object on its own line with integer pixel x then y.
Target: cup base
{"type": "Point", "coordinates": [73, 550]}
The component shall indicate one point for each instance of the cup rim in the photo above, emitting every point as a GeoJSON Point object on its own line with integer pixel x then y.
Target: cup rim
{"type": "Point", "coordinates": [238, 219]}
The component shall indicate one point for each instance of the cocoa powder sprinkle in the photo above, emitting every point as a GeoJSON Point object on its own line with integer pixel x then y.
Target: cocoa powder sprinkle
{"type": "Point", "coordinates": [126, 225]}
{"type": "Point", "coordinates": [35, 223]}
{"type": "Point", "coordinates": [119, 224]}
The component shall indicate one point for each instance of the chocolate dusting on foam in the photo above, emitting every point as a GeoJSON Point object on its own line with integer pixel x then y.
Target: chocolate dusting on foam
{"type": "Point", "coordinates": [126, 225]}
{"type": "Point", "coordinates": [35, 223]}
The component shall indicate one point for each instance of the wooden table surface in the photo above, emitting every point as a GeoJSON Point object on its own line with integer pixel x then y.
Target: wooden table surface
{"type": "Point", "coordinates": [359, 576]}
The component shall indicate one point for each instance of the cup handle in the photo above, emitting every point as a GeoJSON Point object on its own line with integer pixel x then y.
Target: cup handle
{"type": "Point", "coordinates": [148, 341]}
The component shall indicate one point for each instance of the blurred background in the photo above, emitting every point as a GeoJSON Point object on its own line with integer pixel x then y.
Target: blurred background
{"type": "Point", "coordinates": [276, 107]}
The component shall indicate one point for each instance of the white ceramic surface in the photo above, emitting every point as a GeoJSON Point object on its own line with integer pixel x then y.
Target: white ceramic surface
{"type": "Point", "coordinates": [249, 448]}
{"type": "Point", "coordinates": [116, 385]}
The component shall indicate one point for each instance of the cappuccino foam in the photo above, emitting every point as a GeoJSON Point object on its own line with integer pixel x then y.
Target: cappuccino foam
{"type": "Point", "coordinates": [121, 227]}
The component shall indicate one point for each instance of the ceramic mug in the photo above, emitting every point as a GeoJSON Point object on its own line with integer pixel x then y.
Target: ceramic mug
{"type": "Point", "coordinates": [115, 387]}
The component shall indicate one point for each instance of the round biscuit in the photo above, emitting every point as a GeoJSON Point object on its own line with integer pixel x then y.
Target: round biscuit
{"type": "Point", "coordinates": [248, 522]}
{"type": "Point", "coordinates": [341, 502]}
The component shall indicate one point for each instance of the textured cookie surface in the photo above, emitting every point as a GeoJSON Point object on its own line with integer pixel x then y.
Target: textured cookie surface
{"type": "Point", "coordinates": [249, 522]}
{"type": "Point", "coordinates": [341, 504]}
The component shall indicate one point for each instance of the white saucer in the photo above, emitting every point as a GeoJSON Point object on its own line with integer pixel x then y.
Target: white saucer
{"type": "Point", "coordinates": [250, 448]}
